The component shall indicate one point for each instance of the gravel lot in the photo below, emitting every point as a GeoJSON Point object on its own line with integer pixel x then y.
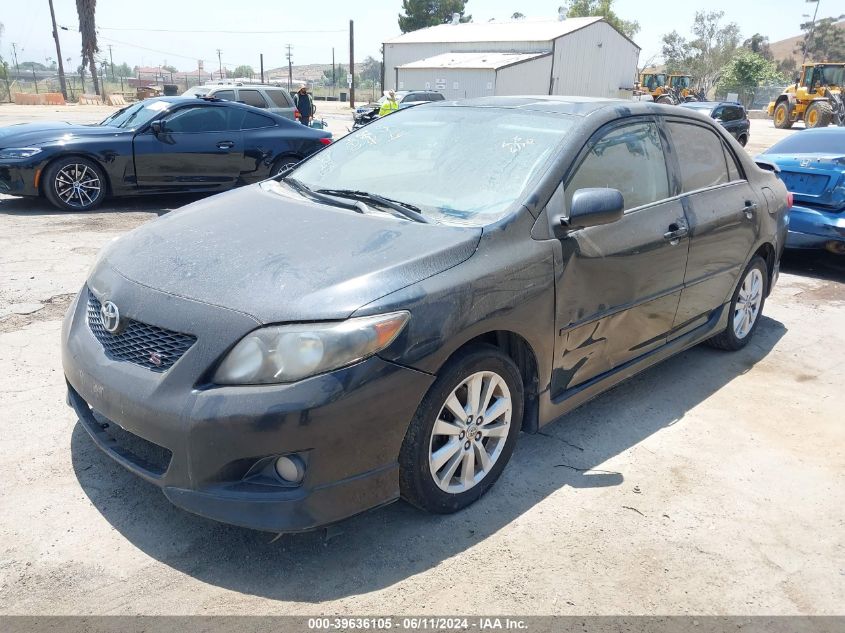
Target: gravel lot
{"type": "Point", "coordinates": [712, 484]}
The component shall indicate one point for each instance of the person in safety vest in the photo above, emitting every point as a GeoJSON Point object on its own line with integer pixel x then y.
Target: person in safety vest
{"type": "Point", "coordinates": [390, 105]}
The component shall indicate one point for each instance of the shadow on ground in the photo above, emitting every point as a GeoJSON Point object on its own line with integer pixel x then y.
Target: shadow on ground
{"type": "Point", "coordinates": [816, 264]}
{"type": "Point", "coordinates": [158, 204]}
{"type": "Point", "coordinates": [385, 546]}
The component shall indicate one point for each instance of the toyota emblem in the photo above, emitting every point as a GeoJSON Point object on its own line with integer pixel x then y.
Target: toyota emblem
{"type": "Point", "coordinates": [110, 316]}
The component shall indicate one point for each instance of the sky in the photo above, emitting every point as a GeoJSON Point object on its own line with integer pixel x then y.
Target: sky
{"type": "Point", "coordinates": [179, 32]}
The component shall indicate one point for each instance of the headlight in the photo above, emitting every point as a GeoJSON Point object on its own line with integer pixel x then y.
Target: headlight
{"type": "Point", "coordinates": [287, 353]}
{"type": "Point", "coordinates": [19, 152]}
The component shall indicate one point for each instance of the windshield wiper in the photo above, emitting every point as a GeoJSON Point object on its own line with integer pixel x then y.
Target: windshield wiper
{"type": "Point", "coordinates": [403, 208]}
{"type": "Point", "coordinates": [304, 189]}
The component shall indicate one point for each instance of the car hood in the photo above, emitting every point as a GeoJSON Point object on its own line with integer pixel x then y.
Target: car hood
{"type": "Point", "coordinates": [815, 179]}
{"type": "Point", "coordinates": [270, 253]}
{"type": "Point", "coordinates": [28, 134]}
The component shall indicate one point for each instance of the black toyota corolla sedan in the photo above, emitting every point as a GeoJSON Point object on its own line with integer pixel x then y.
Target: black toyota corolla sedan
{"type": "Point", "coordinates": [163, 145]}
{"type": "Point", "coordinates": [295, 352]}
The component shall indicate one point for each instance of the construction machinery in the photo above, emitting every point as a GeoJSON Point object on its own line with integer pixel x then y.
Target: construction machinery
{"type": "Point", "coordinates": [681, 88]}
{"type": "Point", "coordinates": [815, 98]}
{"type": "Point", "coordinates": [656, 85]}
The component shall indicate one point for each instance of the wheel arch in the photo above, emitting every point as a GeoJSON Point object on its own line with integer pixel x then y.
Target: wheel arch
{"type": "Point", "coordinates": [767, 252]}
{"type": "Point", "coordinates": [93, 159]}
{"type": "Point", "coordinates": [521, 353]}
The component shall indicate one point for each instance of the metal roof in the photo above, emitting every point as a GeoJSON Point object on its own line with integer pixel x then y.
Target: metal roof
{"type": "Point", "coordinates": [473, 60]}
{"type": "Point", "coordinates": [517, 30]}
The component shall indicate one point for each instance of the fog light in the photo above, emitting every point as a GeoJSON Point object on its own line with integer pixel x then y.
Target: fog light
{"type": "Point", "coordinates": [290, 468]}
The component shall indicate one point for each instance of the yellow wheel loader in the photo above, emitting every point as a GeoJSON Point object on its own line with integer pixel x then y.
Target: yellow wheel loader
{"type": "Point", "coordinates": [815, 98]}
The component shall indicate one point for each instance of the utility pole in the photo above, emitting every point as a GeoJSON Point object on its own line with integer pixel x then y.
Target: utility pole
{"type": "Point", "coordinates": [111, 62]}
{"type": "Point", "coordinates": [15, 55]}
{"type": "Point", "coordinates": [290, 68]}
{"type": "Point", "coordinates": [812, 31]}
{"type": "Point", "coordinates": [262, 67]}
{"type": "Point", "coordinates": [352, 64]}
{"type": "Point", "coordinates": [220, 62]}
{"type": "Point", "coordinates": [334, 78]}
{"type": "Point", "coordinates": [58, 52]}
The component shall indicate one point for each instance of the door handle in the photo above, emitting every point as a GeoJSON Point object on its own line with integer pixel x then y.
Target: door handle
{"type": "Point", "coordinates": [225, 145]}
{"type": "Point", "coordinates": [750, 209]}
{"type": "Point", "coordinates": [675, 233]}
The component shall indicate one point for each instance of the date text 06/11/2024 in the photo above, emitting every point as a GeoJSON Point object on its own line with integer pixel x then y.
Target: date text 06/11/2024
{"type": "Point", "coordinates": [416, 624]}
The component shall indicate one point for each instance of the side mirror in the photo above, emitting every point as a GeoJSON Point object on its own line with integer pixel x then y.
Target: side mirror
{"type": "Point", "coordinates": [157, 127]}
{"type": "Point", "coordinates": [590, 207]}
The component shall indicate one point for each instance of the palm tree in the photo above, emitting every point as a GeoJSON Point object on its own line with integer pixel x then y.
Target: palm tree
{"type": "Point", "coordinates": [88, 28]}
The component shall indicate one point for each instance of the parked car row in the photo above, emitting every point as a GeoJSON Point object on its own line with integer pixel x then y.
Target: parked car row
{"type": "Point", "coordinates": [321, 343]}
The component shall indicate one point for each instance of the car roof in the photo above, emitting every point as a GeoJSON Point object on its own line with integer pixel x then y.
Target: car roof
{"type": "Point", "coordinates": [230, 86]}
{"type": "Point", "coordinates": [710, 104]}
{"type": "Point", "coordinates": [571, 106]}
{"type": "Point", "coordinates": [228, 104]}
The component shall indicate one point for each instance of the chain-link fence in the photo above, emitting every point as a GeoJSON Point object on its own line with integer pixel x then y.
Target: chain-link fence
{"type": "Point", "coordinates": [754, 98]}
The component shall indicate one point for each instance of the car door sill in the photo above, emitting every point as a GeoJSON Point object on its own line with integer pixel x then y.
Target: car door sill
{"type": "Point", "coordinates": [554, 407]}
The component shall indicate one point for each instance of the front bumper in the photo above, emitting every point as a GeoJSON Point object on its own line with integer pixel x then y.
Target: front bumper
{"type": "Point", "coordinates": [813, 228]}
{"type": "Point", "coordinates": [17, 179]}
{"type": "Point", "coordinates": [348, 425]}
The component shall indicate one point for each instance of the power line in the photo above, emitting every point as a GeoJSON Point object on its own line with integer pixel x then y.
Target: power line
{"type": "Point", "coordinates": [108, 28]}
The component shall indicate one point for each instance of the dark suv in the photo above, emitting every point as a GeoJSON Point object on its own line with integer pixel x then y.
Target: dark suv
{"type": "Point", "coordinates": [417, 97]}
{"type": "Point", "coordinates": [731, 115]}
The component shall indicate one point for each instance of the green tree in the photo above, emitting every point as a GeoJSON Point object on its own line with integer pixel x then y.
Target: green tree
{"type": "Point", "coordinates": [759, 44]}
{"type": "Point", "coordinates": [517, 16]}
{"type": "Point", "coordinates": [169, 68]}
{"type": "Point", "coordinates": [371, 70]}
{"type": "Point", "coordinates": [825, 41]}
{"type": "Point", "coordinates": [32, 66]}
{"type": "Point", "coordinates": [88, 28]}
{"type": "Point", "coordinates": [419, 14]}
{"type": "Point", "coordinates": [604, 9]}
{"type": "Point", "coordinates": [340, 72]}
{"type": "Point", "coordinates": [123, 70]}
{"type": "Point", "coordinates": [244, 71]}
{"type": "Point", "coordinates": [703, 57]}
{"type": "Point", "coordinates": [746, 71]}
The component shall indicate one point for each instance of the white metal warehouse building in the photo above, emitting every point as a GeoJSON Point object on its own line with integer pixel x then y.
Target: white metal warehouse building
{"type": "Point", "coordinates": [577, 56]}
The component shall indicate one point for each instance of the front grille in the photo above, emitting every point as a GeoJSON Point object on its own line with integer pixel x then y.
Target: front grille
{"type": "Point", "coordinates": [143, 453]}
{"type": "Point", "coordinates": [146, 345]}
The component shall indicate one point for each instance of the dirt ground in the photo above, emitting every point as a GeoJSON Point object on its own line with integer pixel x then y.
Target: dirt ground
{"type": "Point", "coordinates": [712, 484]}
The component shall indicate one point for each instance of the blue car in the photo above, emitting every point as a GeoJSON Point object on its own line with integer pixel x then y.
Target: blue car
{"type": "Point", "coordinates": [812, 166]}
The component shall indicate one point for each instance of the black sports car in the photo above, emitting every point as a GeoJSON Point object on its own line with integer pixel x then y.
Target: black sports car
{"type": "Point", "coordinates": [161, 145]}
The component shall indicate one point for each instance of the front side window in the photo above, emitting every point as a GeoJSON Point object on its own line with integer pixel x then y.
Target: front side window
{"type": "Point", "coordinates": [252, 97]}
{"type": "Point", "coordinates": [463, 166]}
{"type": "Point", "coordinates": [199, 119]}
{"type": "Point", "coordinates": [700, 156]}
{"type": "Point", "coordinates": [628, 158]}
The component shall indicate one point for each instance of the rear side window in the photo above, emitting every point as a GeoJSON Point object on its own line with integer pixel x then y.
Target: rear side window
{"type": "Point", "coordinates": [228, 95]}
{"type": "Point", "coordinates": [436, 96]}
{"type": "Point", "coordinates": [700, 155]}
{"type": "Point", "coordinates": [628, 158]}
{"type": "Point", "coordinates": [253, 120]}
{"type": "Point", "coordinates": [252, 97]}
{"type": "Point", "coordinates": [279, 99]}
{"type": "Point", "coordinates": [733, 169]}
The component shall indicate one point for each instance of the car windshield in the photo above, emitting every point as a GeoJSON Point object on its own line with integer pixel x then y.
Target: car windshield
{"type": "Point", "coordinates": [459, 165]}
{"type": "Point", "coordinates": [829, 142]}
{"type": "Point", "coordinates": [137, 114]}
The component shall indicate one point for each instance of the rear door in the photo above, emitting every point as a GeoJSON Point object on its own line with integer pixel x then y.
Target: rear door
{"type": "Point", "coordinates": [722, 210]}
{"type": "Point", "coordinates": [618, 287]}
{"type": "Point", "coordinates": [200, 147]}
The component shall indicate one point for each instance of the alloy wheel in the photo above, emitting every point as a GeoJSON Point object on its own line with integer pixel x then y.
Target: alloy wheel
{"type": "Point", "coordinates": [77, 185]}
{"type": "Point", "coordinates": [470, 432]}
{"type": "Point", "coordinates": [748, 303]}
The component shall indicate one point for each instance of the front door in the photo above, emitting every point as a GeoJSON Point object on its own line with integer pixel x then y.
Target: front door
{"type": "Point", "coordinates": [722, 209]}
{"type": "Point", "coordinates": [199, 147]}
{"type": "Point", "coordinates": [618, 285]}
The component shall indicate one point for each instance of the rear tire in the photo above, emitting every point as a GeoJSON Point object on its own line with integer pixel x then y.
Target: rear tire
{"type": "Point", "coordinates": [781, 116]}
{"type": "Point", "coordinates": [441, 465]}
{"type": "Point", "coordinates": [282, 164]}
{"type": "Point", "coordinates": [746, 307]}
{"type": "Point", "coordinates": [743, 140]}
{"type": "Point", "coordinates": [74, 184]}
{"type": "Point", "coordinates": [818, 114]}
{"type": "Point", "coordinates": [665, 100]}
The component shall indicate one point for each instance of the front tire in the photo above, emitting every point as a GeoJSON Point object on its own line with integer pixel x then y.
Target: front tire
{"type": "Point", "coordinates": [746, 307]}
{"type": "Point", "coordinates": [282, 164]}
{"type": "Point", "coordinates": [781, 116]}
{"type": "Point", "coordinates": [743, 140]}
{"type": "Point", "coordinates": [74, 184]}
{"type": "Point", "coordinates": [463, 433]}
